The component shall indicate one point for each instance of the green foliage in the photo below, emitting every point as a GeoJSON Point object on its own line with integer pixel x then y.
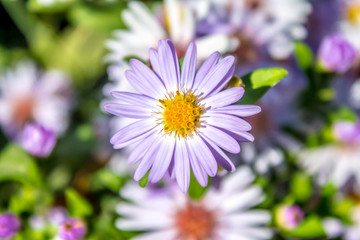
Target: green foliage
{"type": "Point", "coordinates": [301, 187]}
{"type": "Point", "coordinates": [310, 228]}
{"type": "Point", "coordinates": [144, 181]}
{"type": "Point", "coordinates": [304, 55]}
{"type": "Point", "coordinates": [343, 114]}
{"type": "Point", "coordinates": [17, 165]}
{"type": "Point", "coordinates": [108, 179]}
{"type": "Point", "coordinates": [77, 205]}
{"type": "Point", "coordinates": [257, 83]}
{"type": "Point", "coordinates": [196, 191]}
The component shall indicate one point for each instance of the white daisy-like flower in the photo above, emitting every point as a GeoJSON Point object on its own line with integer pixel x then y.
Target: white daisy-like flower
{"type": "Point", "coordinates": [28, 95]}
{"type": "Point", "coordinates": [339, 162]}
{"type": "Point", "coordinates": [350, 23]}
{"type": "Point", "coordinates": [174, 20]}
{"type": "Point", "coordinates": [274, 23]}
{"type": "Point", "coordinates": [222, 214]}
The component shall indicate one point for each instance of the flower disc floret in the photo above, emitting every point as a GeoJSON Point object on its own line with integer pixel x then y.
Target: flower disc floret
{"type": "Point", "coordinates": [181, 114]}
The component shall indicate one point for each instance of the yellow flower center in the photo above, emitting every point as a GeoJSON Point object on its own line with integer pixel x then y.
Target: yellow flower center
{"type": "Point", "coordinates": [353, 13]}
{"type": "Point", "coordinates": [181, 114]}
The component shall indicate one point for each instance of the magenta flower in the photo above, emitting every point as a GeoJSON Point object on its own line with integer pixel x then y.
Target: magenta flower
{"type": "Point", "coordinates": [183, 119]}
{"type": "Point", "coordinates": [72, 229]}
{"type": "Point", "coordinates": [347, 132]}
{"type": "Point", "coordinates": [289, 217]}
{"type": "Point", "coordinates": [336, 54]}
{"type": "Point", "coordinates": [38, 140]}
{"type": "Point", "coordinates": [9, 225]}
{"type": "Point", "coordinates": [57, 215]}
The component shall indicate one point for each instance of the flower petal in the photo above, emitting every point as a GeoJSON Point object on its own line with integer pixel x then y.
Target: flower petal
{"type": "Point", "coordinates": [203, 155]}
{"type": "Point", "coordinates": [217, 76]}
{"type": "Point", "coordinates": [134, 98]}
{"type": "Point", "coordinates": [209, 63]}
{"type": "Point", "coordinates": [132, 131]}
{"type": "Point", "coordinates": [224, 98]}
{"type": "Point", "coordinates": [169, 70]}
{"type": "Point", "coordinates": [228, 122]}
{"type": "Point", "coordinates": [182, 165]}
{"type": "Point", "coordinates": [188, 67]}
{"type": "Point", "coordinates": [148, 78]}
{"type": "Point", "coordinates": [221, 158]}
{"type": "Point", "coordinates": [238, 110]}
{"type": "Point", "coordinates": [221, 139]}
{"type": "Point", "coordinates": [140, 150]}
{"type": "Point", "coordinates": [162, 160]}
{"type": "Point", "coordinates": [198, 171]}
{"type": "Point", "coordinates": [128, 111]}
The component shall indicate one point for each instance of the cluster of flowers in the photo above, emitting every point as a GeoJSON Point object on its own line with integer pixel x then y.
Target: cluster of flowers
{"type": "Point", "coordinates": [179, 112]}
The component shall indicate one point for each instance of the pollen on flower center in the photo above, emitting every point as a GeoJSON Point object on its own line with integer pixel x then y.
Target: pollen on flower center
{"type": "Point", "coordinates": [195, 222]}
{"type": "Point", "coordinates": [353, 13]}
{"type": "Point", "coordinates": [181, 114]}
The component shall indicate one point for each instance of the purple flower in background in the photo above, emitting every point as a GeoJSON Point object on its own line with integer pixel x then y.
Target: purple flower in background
{"type": "Point", "coordinates": [72, 229]}
{"type": "Point", "coordinates": [9, 225]}
{"type": "Point", "coordinates": [289, 217]}
{"type": "Point", "coordinates": [57, 215]}
{"type": "Point", "coordinates": [336, 54]}
{"type": "Point", "coordinates": [183, 119]}
{"type": "Point", "coordinates": [347, 132]}
{"type": "Point", "coordinates": [38, 140]}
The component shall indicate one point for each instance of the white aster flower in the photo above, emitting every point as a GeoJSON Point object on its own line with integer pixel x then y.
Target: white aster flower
{"type": "Point", "coordinates": [350, 23]}
{"type": "Point", "coordinates": [338, 162]}
{"type": "Point", "coordinates": [28, 95]}
{"type": "Point", "coordinates": [274, 23]}
{"type": "Point", "coordinates": [222, 214]}
{"type": "Point", "coordinates": [176, 21]}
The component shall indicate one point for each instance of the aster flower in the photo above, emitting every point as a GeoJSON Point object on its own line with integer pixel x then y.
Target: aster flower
{"type": "Point", "coordinates": [184, 118]}
{"type": "Point", "coordinates": [37, 140]}
{"type": "Point", "coordinates": [256, 23]}
{"type": "Point", "coordinates": [223, 213]}
{"type": "Point", "coordinates": [57, 215]}
{"type": "Point", "coordinates": [289, 216]}
{"type": "Point", "coordinates": [338, 162]}
{"type": "Point", "coordinates": [27, 95]}
{"type": "Point", "coordinates": [349, 24]}
{"type": "Point", "coordinates": [72, 229]}
{"type": "Point", "coordinates": [9, 225]}
{"type": "Point", "coordinates": [176, 22]}
{"type": "Point", "coordinates": [336, 54]}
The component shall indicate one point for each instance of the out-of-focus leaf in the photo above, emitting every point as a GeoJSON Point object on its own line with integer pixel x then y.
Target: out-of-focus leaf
{"type": "Point", "coordinates": [310, 228]}
{"type": "Point", "coordinates": [301, 187]}
{"type": "Point", "coordinates": [257, 83]}
{"type": "Point", "coordinates": [108, 179]}
{"type": "Point", "coordinates": [97, 19]}
{"type": "Point", "coordinates": [144, 181]}
{"type": "Point", "coordinates": [343, 114]}
{"type": "Point", "coordinates": [77, 205]}
{"type": "Point", "coordinates": [17, 165]}
{"type": "Point", "coordinates": [59, 178]}
{"type": "Point", "coordinates": [54, 6]}
{"type": "Point", "coordinates": [304, 55]}
{"type": "Point", "coordinates": [29, 198]}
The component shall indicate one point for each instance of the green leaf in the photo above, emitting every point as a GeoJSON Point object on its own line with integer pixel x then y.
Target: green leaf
{"type": "Point", "coordinates": [181, 62]}
{"type": "Point", "coordinates": [144, 181]}
{"type": "Point", "coordinates": [310, 228]}
{"type": "Point", "coordinates": [304, 55]}
{"type": "Point", "coordinates": [257, 83]}
{"type": "Point", "coordinates": [108, 179]}
{"type": "Point", "coordinates": [301, 187]}
{"type": "Point", "coordinates": [196, 191]}
{"type": "Point", "coordinates": [343, 114]}
{"type": "Point", "coordinates": [17, 165]}
{"type": "Point", "coordinates": [77, 205]}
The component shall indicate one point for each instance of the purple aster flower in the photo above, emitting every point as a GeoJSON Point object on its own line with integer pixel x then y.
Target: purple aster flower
{"type": "Point", "coordinates": [336, 53]}
{"type": "Point", "coordinates": [72, 229]}
{"type": "Point", "coordinates": [289, 217]}
{"type": "Point", "coordinates": [183, 119]}
{"type": "Point", "coordinates": [38, 140]}
{"type": "Point", "coordinates": [9, 225]}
